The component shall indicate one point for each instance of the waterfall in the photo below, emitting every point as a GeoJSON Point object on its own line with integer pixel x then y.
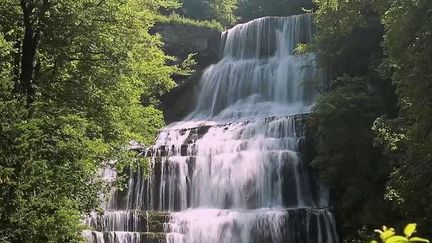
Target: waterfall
{"type": "Point", "coordinates": [258, 75]}
{"type": "Point", "coordinates": [232, 171]}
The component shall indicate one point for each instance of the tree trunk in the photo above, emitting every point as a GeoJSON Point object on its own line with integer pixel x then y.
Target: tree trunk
{"type": "Point", "coordinates": [28, 52]}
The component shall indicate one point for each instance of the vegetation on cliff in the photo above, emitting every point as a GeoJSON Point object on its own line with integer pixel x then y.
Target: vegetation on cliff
{"type": "Point", "coordinates": [222, 11]}
{"type": "Point", "coordinates": [230, 12]}
{"type": "Point", "coordinates": [251, 9]}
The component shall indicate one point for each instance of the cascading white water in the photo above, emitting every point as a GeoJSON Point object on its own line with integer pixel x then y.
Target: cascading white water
{"type": "Point", "coordinates": [258, 75]}
{"type": "Point", "coordinates": [232, 171]}
{"type": "Point", "coordinates": [248, 182]}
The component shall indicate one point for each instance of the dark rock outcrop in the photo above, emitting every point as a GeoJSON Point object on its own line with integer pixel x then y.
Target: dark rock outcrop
{"type": "Point", "coordinates": [179, 102]}
{"type": "Point", "coordinates": [180, 40]}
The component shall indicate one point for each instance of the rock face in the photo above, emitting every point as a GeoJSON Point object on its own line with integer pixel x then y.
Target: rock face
{"type": "Point", "coordinates": [177, 103]}
{"type": "Point", "coordinates": [179, 41]}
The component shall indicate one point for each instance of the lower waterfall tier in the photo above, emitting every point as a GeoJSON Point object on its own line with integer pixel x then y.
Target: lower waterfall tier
{"type": "Point", "coordinates": [251, 226]}
{"type": "Point", "coordinates": [123, 237]}
{"type": "Point", "coordinates": [128, 221]}
{"type": "Point", "coordinates": [249, 165]}
{"type": "Point", "coordinates": [303, 225]}
{"type": "Point", "coordinates": [242, 182]}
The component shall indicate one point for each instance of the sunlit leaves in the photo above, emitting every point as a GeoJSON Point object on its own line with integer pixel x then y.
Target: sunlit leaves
{"type": "Point", "coordinates": [94, 63]}
{"type": "Point", "coordinates": [389, 134]}
{"type": "Point", "coordinates": [302, 49]}
{"type": "Point", "coordinates": [408, 41]}
{"type": "Point", "coordinates": [388, 235]}
{"type": "Point", "coordinates": [410, 229]}
{"type": "Point", "coordinates": [222, 11]}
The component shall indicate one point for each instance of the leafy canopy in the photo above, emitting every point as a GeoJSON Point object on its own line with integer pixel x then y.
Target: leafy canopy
{"type": "Point", "coordinates": [72, 77]}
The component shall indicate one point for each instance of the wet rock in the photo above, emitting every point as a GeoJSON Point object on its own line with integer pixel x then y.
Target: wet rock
{"type": "Point", "coordinates": [128, 221]}
{"type": "Point", "coordinates": [152, 238]}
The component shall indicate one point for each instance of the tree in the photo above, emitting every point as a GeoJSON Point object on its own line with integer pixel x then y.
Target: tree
{"type": "Point", "coordinates": [72, 74]}
{"type": "Point", "coordinates": [251, 9]}
{"type": "Point", "coordinates": [222, 11]}
{"type": "Point", "coordinates": [408, 44]}
{"type": "Point", "coordinates": [348, 159]}
{"type": "Point", "coordinates": [404, 131]}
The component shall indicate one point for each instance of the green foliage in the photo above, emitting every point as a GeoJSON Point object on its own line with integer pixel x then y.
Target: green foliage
{"type": "Point", "coordinates": [177, 19]}
{"type": "Point", "coordinates": [408, 43]}
{"type": "Point", "coordinates": [187, 65]}
{"type": "Point", "coordinates": [251, 9]}
{"type": "Point", "coordinates": [52, 163]}
{"type": "Point", "coordinates": [223, 11]}
{"type": "Point", "coordinates": [389, 134]}
{"type": "Point", "coordinates": [346, 159]}
{"type": "Point", "coordinates": [388, 235]}
{"type": "Point", "coordinates": [350, 159]}
{"type": "Point", "coordinates": [302, 49]}
{"type": "Point", "coordinates": [389, 42]}
{"type": "Point", "coordinates": [72, 75]}
{"type": "Point", "coordinates": [229, 12]}
{"type": "Point", "coordinates": [349, 37]}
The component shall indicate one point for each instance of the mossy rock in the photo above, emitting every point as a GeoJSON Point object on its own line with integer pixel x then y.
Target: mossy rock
{"type": "Point", "coordinates": [153, 238]}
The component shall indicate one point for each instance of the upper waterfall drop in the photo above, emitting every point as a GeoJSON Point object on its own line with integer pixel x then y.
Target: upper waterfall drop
{"type": "Point", "coordinates": [259, 76]}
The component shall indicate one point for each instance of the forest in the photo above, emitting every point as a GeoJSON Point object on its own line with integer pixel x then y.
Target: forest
{"type": "Point", "coordinates": [81, 79]}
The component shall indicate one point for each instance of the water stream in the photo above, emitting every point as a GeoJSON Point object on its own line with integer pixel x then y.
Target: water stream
{"type": "Point", "coordinates": [232, 171]}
